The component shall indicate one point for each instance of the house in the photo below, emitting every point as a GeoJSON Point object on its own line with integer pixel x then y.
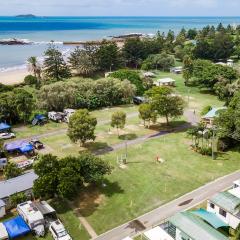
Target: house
{"type": "Point", "coordinates": [23, 183]}
{"type": "Point", "coordinates": [156, 233]}
{"type": "Point", "coordinates": [2, 208]}
{"type": "Point", "coordinates": [208, 118]}
{"type": "Point", "coordinates": [189, 226]}
{"type": "Point", "coordinates": [4, 127]}
{"type": "Point", "coordinates": [165, 82]}
{"type": "Point", "coordinates": [176, 70]}
{"type": "Point", "coordinates": [226, 206]}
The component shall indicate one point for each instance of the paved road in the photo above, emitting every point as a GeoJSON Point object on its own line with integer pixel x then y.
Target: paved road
{"type": "Point", "coordinates": [160, 214]}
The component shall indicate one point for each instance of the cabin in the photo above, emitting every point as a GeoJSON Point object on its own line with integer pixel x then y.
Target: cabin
{"type": "Point", "coordinates": [165, 82]}
{"type": "Point", "coordinates": [208, 118]}
{"type": "Point", "coordinates": [20, 184]}
{"type": "Point", "coordinates": [194, 226]}
{"type": "Point", "coordinates": [225, 205]}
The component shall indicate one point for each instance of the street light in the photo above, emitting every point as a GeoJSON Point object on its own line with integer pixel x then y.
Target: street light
{"type": "Point", "coordinates": [214, 129]}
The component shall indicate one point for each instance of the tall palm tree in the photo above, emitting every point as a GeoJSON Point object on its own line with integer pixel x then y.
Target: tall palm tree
{"type": "Point", "coordinates": [35, 68]}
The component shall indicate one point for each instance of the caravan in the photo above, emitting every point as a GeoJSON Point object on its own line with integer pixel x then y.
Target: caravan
{"type": "Point", "coordinates": [32, 216]}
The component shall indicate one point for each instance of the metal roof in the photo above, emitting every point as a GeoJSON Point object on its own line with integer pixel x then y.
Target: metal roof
{"type": "Point", "coordinates": [214, 112]}
{"type": "Point", "coordinates": [195, 227]}
{"type": "Point", "coordinates": [17, 184]}
{"type": "Point", "coordinates": [210, 218]}
{"type": "Point", "coordinates": [227, 201]}
{"type": "Point", "coordinates": [166, 80]}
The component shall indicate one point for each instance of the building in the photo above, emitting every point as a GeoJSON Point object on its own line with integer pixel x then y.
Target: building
{"type": "Point", "coordinates": [190, 226]}
{"type": "Point", "coordinates": [226, 206]}
{"type": "Point", "coordinates": [208, 118]}
{"type": "Point", "coordinates": [165, 82]}
{"type": "Point", "coordinates": [23, 183]}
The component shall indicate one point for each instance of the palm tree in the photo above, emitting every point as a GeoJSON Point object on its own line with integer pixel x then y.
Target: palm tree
{"type": "Point", "coordinates": [35, 68]}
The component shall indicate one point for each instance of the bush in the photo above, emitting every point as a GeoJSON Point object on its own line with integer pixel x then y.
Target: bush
{"type": "Point", "coordinates": [205, 151]}
{"type": "Point", "coordinates": [30, 80]}
{"type": "Point", "coordinates": [17, 198]}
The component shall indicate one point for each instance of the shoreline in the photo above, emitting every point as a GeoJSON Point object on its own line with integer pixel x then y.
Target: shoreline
{"type": "Point", "coordinates": [13, 76]}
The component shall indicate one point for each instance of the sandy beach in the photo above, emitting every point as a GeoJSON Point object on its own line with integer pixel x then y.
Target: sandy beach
{"type": "Point", "coordinates": [13, 77]}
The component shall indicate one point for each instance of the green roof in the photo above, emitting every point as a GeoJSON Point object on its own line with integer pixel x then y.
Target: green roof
{"type": "Point", "coordinates": [227, 201]}
{"type": "Point", "coordinates": [210, 218]}
{"type": "Point", "coordinates": [195, 227]}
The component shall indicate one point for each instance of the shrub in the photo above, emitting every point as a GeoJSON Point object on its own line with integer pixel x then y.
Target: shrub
{"type": "Point", "coordinates": [17, 198]}
{"type": "Point", "coordinates": [30, 80]}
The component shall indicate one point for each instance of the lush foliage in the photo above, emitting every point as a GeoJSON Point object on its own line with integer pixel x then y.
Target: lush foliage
{"type": "Point", "coordinates": [118, 120]}
{"type": "Point", "coordinates": [11, 171]}
{"type": "Point", "coordinates": [66, 177]}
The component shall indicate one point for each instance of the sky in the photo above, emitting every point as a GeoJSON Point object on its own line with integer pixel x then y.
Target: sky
{"type": "Point", "coordinates": [120, 7]}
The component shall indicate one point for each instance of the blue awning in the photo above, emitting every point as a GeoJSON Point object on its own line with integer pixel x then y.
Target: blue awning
{"type": "Point", "coordinates": [40, 117]}
{"type": "Point", "coordinates": [16, 227]}
{"type": "Point", "coordinates": [210, 218]}
{"type": "Point", "coordinates": [4, 126]}
{"type": "Point", "coordinates": [26, 148]}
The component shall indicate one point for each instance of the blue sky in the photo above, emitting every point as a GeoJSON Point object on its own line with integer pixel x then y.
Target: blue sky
{"type": "Point", "coordinates": [122, 7]}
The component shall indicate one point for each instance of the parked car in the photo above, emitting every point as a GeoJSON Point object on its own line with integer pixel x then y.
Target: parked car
{"type": "Point", "coordinates": [138, 100]}
{"type": "Point", "coordinates": [58, 231]}
{"type": "Point", "coordinates": [36, 144]}
{"type": "Point", "coordinates": [56, 116]}
{"type": "Point", "coordinates": [7, 135]}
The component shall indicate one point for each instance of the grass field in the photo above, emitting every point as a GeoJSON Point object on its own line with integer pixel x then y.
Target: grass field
{"type": "Point", "coordinates": [145, 184]}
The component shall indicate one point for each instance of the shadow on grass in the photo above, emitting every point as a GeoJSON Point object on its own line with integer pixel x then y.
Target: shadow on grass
{"type": "Point", "coordinates": [94, 195]}
{"type": "Point", "coordinates": [129, 136]}
{"type": "Point", "coordinates": [97, 146]}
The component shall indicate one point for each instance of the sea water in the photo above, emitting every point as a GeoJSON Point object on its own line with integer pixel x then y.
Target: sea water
{"type": "Point", "coordinates": [42, 30]}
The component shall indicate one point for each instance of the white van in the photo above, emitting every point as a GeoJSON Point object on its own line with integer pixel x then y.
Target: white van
{"type": "Point", "coordinates": [58, 231]}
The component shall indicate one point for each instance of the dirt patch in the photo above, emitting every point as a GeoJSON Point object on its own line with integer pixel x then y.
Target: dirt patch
{"type": "Point", "coordinates": [89, 200]}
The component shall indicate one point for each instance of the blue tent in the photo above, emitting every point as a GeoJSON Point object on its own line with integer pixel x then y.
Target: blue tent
{"type": "Point", "coordinates": [16, 227]}
{"type": "Point", "coordinates": [4, 127]}
{"type": "Point", "coordinates": [40, 117]}
{"type": "Point", "coordinates": [26, 148]}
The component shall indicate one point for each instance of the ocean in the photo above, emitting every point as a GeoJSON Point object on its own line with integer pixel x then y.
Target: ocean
{"type": "Point", "coordinates": [42, 30]}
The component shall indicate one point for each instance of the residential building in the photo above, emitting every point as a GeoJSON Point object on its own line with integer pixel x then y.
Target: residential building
{"type": "Point", "coordinates": [226, 206]}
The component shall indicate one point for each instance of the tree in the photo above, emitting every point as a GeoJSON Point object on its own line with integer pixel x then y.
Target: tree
{"type": "Point", "coordinates": [80, 61]}
{"type": "Point", "coordinates": [81, 126]}
{"type": "Point", "coordinates": [118, 120]}
{"type": "Point", "coordinates": [47, 169]}
{"type": "Point", "coordinates": [165, 103]}
{"type": "Point", "coordinates": [187, 69]}
{"type": "Point", "coordinates": [93, 168]}
{"type": "Point", "coordinates": [24, 103]}
{"type": "Point", "coordinates": [146, 113]}
{"type": "Point", "coordinates": [35, 68]}
{"type": "Point", "coordinates": [12, 171]}
{"type": "Point", "coordinates": [108, 56]}
{"type": "Point", "coordinates": [133, 51]}
{"type": "Point", "coordinates": [55, 68]}
{"type": "Point", "coordinates": [237, 233]}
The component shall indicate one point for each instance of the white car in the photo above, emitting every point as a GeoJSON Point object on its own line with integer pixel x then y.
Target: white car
{"type": "Point", "coordinates": [7, 135]}
{"type": "Point", "coordinates": [58, 231]}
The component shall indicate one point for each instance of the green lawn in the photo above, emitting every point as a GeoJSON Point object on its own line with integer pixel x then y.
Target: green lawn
{"type": "Point", "coordinates": [145, 184]}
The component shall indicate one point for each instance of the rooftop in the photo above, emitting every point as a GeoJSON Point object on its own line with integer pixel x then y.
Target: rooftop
{"type": "Point", "coordinates": [157, 233]}
{"type": "Point", "coordinates": [195, 227]}
{"type": "Point", "coordinates": [18, 184]}
{"type": "Point", "coordinates": [214, 112]}
{"type": "Point", "coordinates": [166, 80]}
{"type": "Point", "coordinates": [227, 201]}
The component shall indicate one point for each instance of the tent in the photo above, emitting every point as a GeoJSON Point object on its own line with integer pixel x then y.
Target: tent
{"type": "Point", "coordinates": [39, 119]}
{"type": "Point", "coordinates": [16, 227]}
{"type": "Point", "coordinates": [3, 232]}
{"type": "Point", "coordinates": [4, 127]}
{"type": "Point", "coordinates": [20, 145]}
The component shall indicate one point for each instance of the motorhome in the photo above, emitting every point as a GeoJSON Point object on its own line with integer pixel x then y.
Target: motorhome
{"type": "Point", "coordinates": [32, 216]}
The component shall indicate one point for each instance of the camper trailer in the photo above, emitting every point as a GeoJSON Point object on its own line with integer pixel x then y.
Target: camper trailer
{"type": "Point", "coordinates": [32, 216]}
{"type": "Point", "coordinates": [56, 116]}
{"type": "Point", "coordinates": [68, 113]}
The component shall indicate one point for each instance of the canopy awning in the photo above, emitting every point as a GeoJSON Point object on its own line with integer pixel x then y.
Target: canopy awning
{"type": "Point", "coordinates": [4, 127]}
{"type": "Point", "coordinates": [16, 227]}
{"type": "Point", "coordinates": [210, 218]}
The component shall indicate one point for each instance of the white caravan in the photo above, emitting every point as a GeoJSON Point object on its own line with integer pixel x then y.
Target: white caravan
{"type": "Point", "coordinates": [32, 216]}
